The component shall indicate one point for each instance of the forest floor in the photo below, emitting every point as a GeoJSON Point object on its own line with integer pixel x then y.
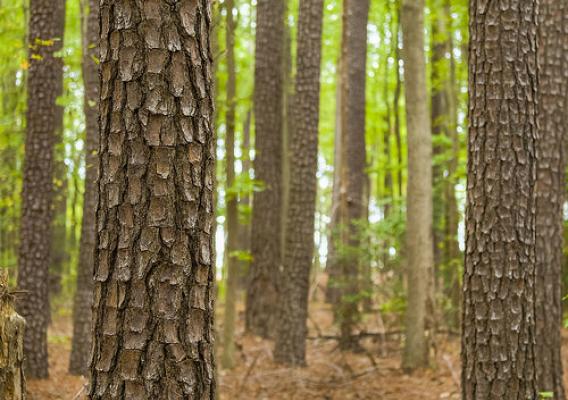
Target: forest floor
{"type": "Point", "coordinates": [374, 373]}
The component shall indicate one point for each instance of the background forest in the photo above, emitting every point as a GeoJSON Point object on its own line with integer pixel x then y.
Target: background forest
{"type": "Point", "coordinates": [352, 162]}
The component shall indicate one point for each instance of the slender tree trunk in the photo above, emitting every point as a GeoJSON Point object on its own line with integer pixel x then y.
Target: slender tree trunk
{"type": "Point", "coordinates": [155, 261]}
{"type": "Point", "coordinates": [354, 53]}
{"type": "Point", "coordinates": [396, 104]}
{"type": "Point", "coordinates": [291, 331]}
{"type": "Point", "coordinates": [453, 254]}
{"type": "Point", "coordinates": [262, 294]}
{"type": "Point", "coordinates": [499, 332]}
{"type": "Point", "coordinates": [419, 243]}
{"type": "Point", "coordinates": [59, 255]}
{"type": "Point", "coordinates": [245, 205]}
{"type": "Point", "coordinates": [332, 263]}
{"type": "Point", "coordinates": [440, 115]}
{"type": "Point", "coordinates": [228, 357]}
{"type": "Point", "coordinates": [45, 38]}
{"type": "Point", "coordinates": [550, 189]}
{"type": "Point", "coordinates": [81, 345]}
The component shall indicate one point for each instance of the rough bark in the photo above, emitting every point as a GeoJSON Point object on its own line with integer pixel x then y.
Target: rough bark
{"type": "Point", "coordinates": [290, 346]}
{"type": "Point", "coordinates": [262, 293]}
{"type": "Point", "coordinates": [228, 356]}
{"type": "Point", "coordinates": [419, 243]}
{"type": "Point", "coordinates": [154, 262]}
{"type": "Point", "coordinates": [45, 26]}
{"type": "Point", "coordinates": [499, 335]}
{"type": "Point", "coordinates": [550, 189]}
{"type": "Point", "coordinates": [12, 326]}
{"type": "Point", "coordinates": [82, 314]}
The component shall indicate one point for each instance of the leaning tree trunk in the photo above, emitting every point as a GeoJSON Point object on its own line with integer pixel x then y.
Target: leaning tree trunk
{"type": "Point", "coordinates": [419, 243]}
{"type": "Point", "coordinates": [499, 332]}
{"type": "Point", "coordinates": [81, 345]}
{"type": "Point", "coordinates": [290, 347]}
{"type": "Point", "coordinates": [228, 356]}
{"type": "Point", "coordinates": [550, 188]}
{"type": "Point", "coordinates": [155, 261]}
{"type": "Point", "coordinates": [12, 326]}
{"type": "Point", "coordinates": [262, 293]}
{"type": "Point", "coordinates": [45, 26]}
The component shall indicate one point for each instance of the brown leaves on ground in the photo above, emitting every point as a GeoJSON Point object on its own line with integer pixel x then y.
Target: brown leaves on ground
{"type": "Point", "coordinates": [330, 374]}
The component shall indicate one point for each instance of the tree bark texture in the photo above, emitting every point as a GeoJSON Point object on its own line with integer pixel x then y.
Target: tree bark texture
{"type": "Point", "coordinates": [550, 188]}
{"type": "Point", "coordinates": [499, 332]}
{"type": "Point", "coordinates": [12, 326]}
{"type": "Point", "coordinates": [46, 23]}
{"type": "Point", "coordinates": [228, 356]}
{"type": "Point", "coordinates": [291, 332]}
{"type": "Point", "coordinates": [419, 241]}
{"type": "Point", "coordinates": [262, 293]}
{"type": "Point", "coordinates": [352, 176]}
{"type": "Point", "coordinates": [154, 262]}
{"type": "Point", "coordinates": [82, 305]}
{"type": "Point", "coordinates": [60, 185]}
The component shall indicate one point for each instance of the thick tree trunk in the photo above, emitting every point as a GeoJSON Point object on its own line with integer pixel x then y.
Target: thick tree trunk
{"type": "Point", "coordinates": [291, 330]}
{"type": "Point", "coordinates": [499, 333]}
{"type": "Point", "coordinates": [262, 294]}
{"type": "Point", "coordinates": [155, 261]}
{"type": "Point", "coordinates": [47, 19]}
{"type": "Point", "coordinates": [12, 326]}
{"type": "Point", "coordinates": [82, 314]}
{"type": "Point", "coordinates": [550, 189]}
{"type": "Point", "coordinates": [228, 357]}
{"type": "Point", "coordinates": [419, 243]}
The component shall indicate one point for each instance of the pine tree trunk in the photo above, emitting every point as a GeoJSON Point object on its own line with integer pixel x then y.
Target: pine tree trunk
{"type": "Point", "coordinates": [82, 314]}
{"type": "Point", "coordinates": [332, 263]}
{"type": "Point", "coordinates": [244, 205]}
{"type": "Point", "coordinates": [46, 23]}
{"type": "Point", "coordinates": [262, 293]}
{"type": "Point", "coordinates": [499, 332]}
{"type": "Point", "coordinates": [440, 120]}
{"type": "Point", "coordinates": [228, 357]}
{"type": "Point", "coordinates": [453, 254]}
{"type": "Point", "coordinates": [550, 189]}
{"type": "Point", "coordinates": [291, 332]}
{"type": "Point", "coordinates": [155, 261]}
{"type": "Point", "coordinates": [351, 203]}
{"type": "Point", "coordinates": [419, 243]}
{"type": "Point", "coordinates": [12, 327]}
{"type": "Point", "coordinates": [59, 218]}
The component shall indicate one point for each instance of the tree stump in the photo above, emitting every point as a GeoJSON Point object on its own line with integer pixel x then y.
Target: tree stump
{"type": "Point", "coordinates": [12, 381]}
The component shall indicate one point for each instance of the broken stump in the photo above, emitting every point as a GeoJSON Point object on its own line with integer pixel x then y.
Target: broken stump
{"type": "Point", "coordinates": [12, 381]}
